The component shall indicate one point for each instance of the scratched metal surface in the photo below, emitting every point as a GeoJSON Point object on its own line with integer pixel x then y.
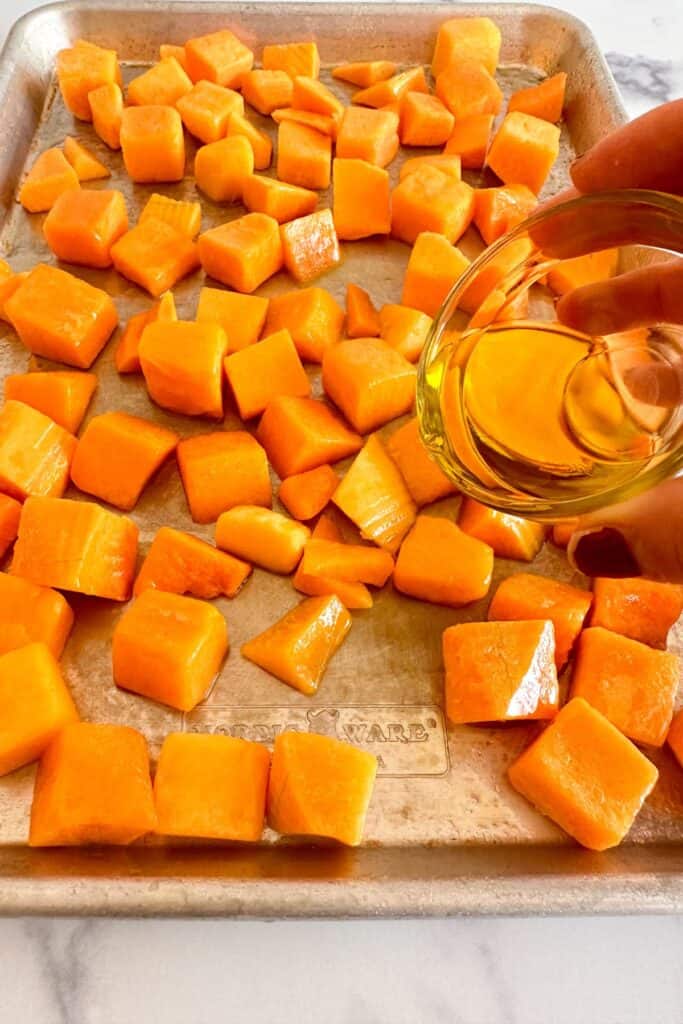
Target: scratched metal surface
{"type": "Point", "coordinates": [437, 787]}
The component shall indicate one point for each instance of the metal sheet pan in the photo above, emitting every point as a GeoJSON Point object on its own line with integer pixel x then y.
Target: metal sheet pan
{"type": "Point", "coordinates": [445, 832]}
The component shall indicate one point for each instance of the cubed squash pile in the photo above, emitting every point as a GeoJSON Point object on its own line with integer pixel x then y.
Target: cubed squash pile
{"type": "Point", "coordinates": [353, 486]}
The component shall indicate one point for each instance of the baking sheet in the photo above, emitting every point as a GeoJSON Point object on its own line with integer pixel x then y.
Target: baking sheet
{"type": "Point", "coordinates": [442, 810]}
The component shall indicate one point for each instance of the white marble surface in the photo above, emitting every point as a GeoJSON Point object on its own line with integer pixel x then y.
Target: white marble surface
{"type": "Point", "coordinates": [571, 971]}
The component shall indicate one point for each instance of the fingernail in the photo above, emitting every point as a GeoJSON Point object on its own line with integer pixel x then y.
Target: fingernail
{"type": "Point", "coordinates": [604, 552]}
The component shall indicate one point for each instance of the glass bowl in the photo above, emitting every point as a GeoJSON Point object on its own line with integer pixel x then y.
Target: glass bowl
{"type": "Point", "coordinates": [531, 417]}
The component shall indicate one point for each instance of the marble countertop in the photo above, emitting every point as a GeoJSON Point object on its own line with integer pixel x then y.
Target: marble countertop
{"type": "Point", "coordinates": [543, 971]}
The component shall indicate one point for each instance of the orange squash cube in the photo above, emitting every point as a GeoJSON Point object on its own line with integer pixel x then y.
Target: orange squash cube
{"type": "Point", "coordinates": [487, 280]}
{"type": "Point", "coordinates": [524, 150]}
{"type": "Point", "coordinates": [106, 109]}
{"type": "Point", "coordinates": [172, 50]}
{"type": "Point", "coordinates": [222, 168]}
{"type": "Point", "coordinates": [430, 200]}
{"type": "Point", "coordinates": [242, 317]}
{"type": "Point", "coordinates": [293, 58]}
{"type": "Point", "coordinates": [8, 285]}
{"type": "Point", "coordinates": [304, 156]}
{"type": "Point", "coordinates": [261, 146]}
{"type": "Point", "coordinates": [544, 100]}
{"type": "Point", "coordinates": [433, 268]}
{"type": "Point", "coordinates": [675, 737]}
{"type": "Point", "coordinates": [206, 109]}
{"type": "Point", "coordinates": [562, 533]}
{"type": "Point", "coordinates": [163, 84]}
{"type": "Point", "coordinates": [313, 318]}
{"type": "Point", "coordinates": [218, 57]}
{"type": "Point", "coordinates": [222, 470]}
{"type": "Point", "coordinates": [182, 363]}
{"type": "Point", "coordinates": [404, 329]}
{"type": "Point", "coordinates": [352, 595]}
{"type": "Point", "coordinates": [297, 649]}
{"type": "Point", "coordinates": [449, 164]}
{"type": "Point", "coordinates": [61, 317]}
{"type": "Point", "coordinates": [364, 73]}
{"type": "Point", "coordinates": [10, 514]}
{"type": "Point", "coordinates": [302, 433]}
{"type": "Point", "coordinates": [179, 563]}
{"type": "Point", "coordinates": [85, 163]}
{"type": "Point", "coordinates": [83, 224]}
{"type": "Point", "coordinates": [640, 609]}
{"type": "Point", "coordinates": [155, 255]}
{"type": "Point", "coordinates": [76, 545]}
{"type": "Point", "coordinates": [93, 786]}
{"type": "Point", "coordinates": [64, 395]}
{"type": "Point", "coordinates": [362, 199]}
{"type": "Point", "coordinates": [526, 596]}
{"type": "Point", "coordinates": [320, 787]}
{"type": "Point", "coordinates": [242, 253]}
{"type": "Point", "coordinates": [127, 352]}
{"type": "Point", "coordinates": [425, 121]}
{"type": "Point", "coordinates": [362, 319]}
{"type": "Point", "coordinates": [261, 536]}
{"type": "Point", "coordinates": [169, 648]}
{"type": "Point", "coordinates": [211, 787]}
{"type": "Point", "coordinates": [311, 95]}
{"type": "Point", "coordinates": [368, 381]}
{"type": "Point", "coordinates": [391, 92]}
{"type": "Point", "coordinates": [374, 496]}
{"type": "Point", "coordinates": [462, 39]}
{"type": "Point", "coordinates": [467, 89]}
{"type": "Point", "coordinates": [35, 705]}
{"type": "Point", "coordinates": [261, 372]}
{"type": "Point", "coordinates": [354, 563]}
{"type": "Point", "coordinates": [585, 776]}
{"type": "Point", "coordinates": [423, 477]}
{"type": "Point", "coordinates": [32, 614]}
{"type": "Point", "coordinates": [35, 452]}
{"type": "Point", "coordinates": [304, 495]}
{"type": "Point", "coordinates": [370, 135]}
{"type": "Point", "coordinates": [265, 90]}
{"type": "Point", "coordinates": [82, 68]}
{"type": "Point", "coordinates": [117, 456]}
{"type": "Point", "coordinates": [324, 124]}
{"type": "Point", "coordinates": [469, 140]}
{"type": "Point", "coordinates": [509, 536]}
{"type": "Point", "coordinates": [581, 270]}
{"type": "Point", "coordinates": [500, 671]}
{"type": "Point", "coordinates": [631, 684]}
{"type": "Point", "coordinates": [499, 210]}
{"type": "Point", "coordinates": [310, 245]}
{"type": "Point", "coordinates": [440, 563]}
{"type": "Point", "coordinates": [184, 216]}
{"type": "Point", "coordinates": [51, 175]}
{"type": "Point", "coordinates": [279, 200]}
{"type": "Point", "coordinates": [152, 143]}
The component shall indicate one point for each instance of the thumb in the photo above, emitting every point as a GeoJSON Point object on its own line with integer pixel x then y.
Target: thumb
{"type": "Point", "coordinates": [640, 537]}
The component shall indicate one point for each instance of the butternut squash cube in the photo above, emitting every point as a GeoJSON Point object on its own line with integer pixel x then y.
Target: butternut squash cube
{"type": "Point", "coordinates": [364, 73]}
{"type": "Point", "coordinates": [313, 318]}
{"type": "Point", "coordinates": [423, 477]}
{"type": "Point", "coordinates": [172, 50]}
{"type": "Point", "coordinates": [425, 120]}
{"type": "Point", "coordinates": [362, 199]}
{"type": "Point", "coordinates": [389, 93]}
{"type": "Point", "coordinates": [243, 253]}
{"type": "Point", "coordinates": [51, 175]}
{"type": "Point", "coordinates": [261, 146]}
{"type": "Point", "coordinates": [32, 614]}
{"type": "Point", "coordinates": [499, 210]}
{"type": "Point", "coordinates": [448, 163]}
{"type": "Point", "coordinates": [524, 150]}
{"type": "Point", "coordinates": [155, 255]}
{"type": "Point", "coordinates": [152, 143]}
{"type": "Point", "coordinates": [162, 84]}
{"type": "Point", "coordinates": [61, 317]}
{"type": "Point", "coordinates": [106, 108]}
{"type": "Point", "coordinates": [278, 199]}
{"type": "Point", "coordinates": [585, 776]}
{"type": "Point", "coordinates": [182, 363]}
{"type": "Point", "coordinates": [404, 329]}
{"type": "Point", "coordinates": [354, 563]}
{"type": "Point", "coordinates": [640, 609]}
{"type": "Point", "coordinates": [368, 381]}
{"type": "Point", "coordinates": [93, 786]}
{"type": "Point", "coordinates": [222, 168]}
{"type": "Point", "coordinates": [127, 353]}
{"type": "Point", "coordinates": [500, 671]}
{"type": "Point", "coordinates": [304, 495]}
{"type": "Point", "coordinates": [304, 155]}
{"type": "Point", "coordinates": [470, 139]}
{"type": "Point", "coordinates": [324, 124]}
{"type": "Point", "coordinates": [35, 452]}
{"type": "Point", "coordinates": [83, 224]}
{"type": "Point", "coordinates": [311, 95]}
{"type": "Point", "coordinates": [266, 90]}
{"type": "Point", "coordinates": [117, 455]}
{"type": "Point", "coordinates": [303, 433]}
{"type": "Point", "coordinates": [35, 705]}
{"type": "Point", "coordinates": [82, 68]}
{"type": "Point", "coordinates": [207, 108]}
{"type": "Point", "coordinates": [293, 58]}
{"type": "Point", "coordinates": [10, 514]}
{"type": "Point", "coordinates": [362, 319]}
{"type": "Point", "coordinates": [242, 317]}
{"type": "Point", "coordinates": [297, 649]}
{"type": "Point", "coordinates": [631, 684]}
{"type": "Point", "coordinates": [462, 39]}
{"type": "Point", "coordinates": [261, 372]}
{"type": "Point", "coordinates": [218, 57]}
{"type": "Point", "coordinates": [211, 787]}
{"type": "Point", "coordinates": [179, 563]}
{"type": "Point", "coordinates": [76, 545]}
{"type": "Point", "coordinates": [169, 648]}
{"type": "Point", "coordinates": [526, 596]}
{"type": "Point", "coordinates": [320, 787]}
{"type": "Point", "coordinates": [509, 536]}
{"type": "Point", "coordinates": [261, 536]}
{"type": "Point", "coordinates": [370, 135]}
{"type": "Point", "coordinates": [438, 562]}
{"type": "Point", "coordinates": [222, 470]}
{"type": "Point", "coordinates": [184, 216]}
{"type": "Point", "coordinates": [544, 100]}
{"type": "Point", "coordinates": [310, 245]}
{"type": "Point", "coordinates": [430, 200]}
{"type": "Point", "coordinates": [468, 89]}
{"type": "Point", "coordinates": [433, 268]}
